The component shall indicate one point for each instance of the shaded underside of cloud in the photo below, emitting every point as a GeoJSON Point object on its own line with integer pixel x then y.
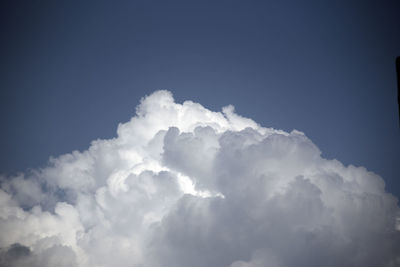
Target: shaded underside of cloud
{"type": "Point", "coordinates": [181, 185]}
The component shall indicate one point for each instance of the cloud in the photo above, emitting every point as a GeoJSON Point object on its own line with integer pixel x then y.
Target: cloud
{"type": "Point", "coordinates": [181, 185]}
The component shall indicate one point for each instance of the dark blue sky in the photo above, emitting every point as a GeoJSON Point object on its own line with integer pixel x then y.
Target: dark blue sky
{"type": "Point", "coordinates": [72, 70]}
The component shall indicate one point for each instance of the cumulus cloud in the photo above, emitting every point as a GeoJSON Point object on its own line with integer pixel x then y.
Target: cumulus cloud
{"type": "Point", "coordinates": [181, 185]}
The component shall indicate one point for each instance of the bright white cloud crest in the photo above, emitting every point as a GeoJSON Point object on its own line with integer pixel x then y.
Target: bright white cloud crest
{"type": "Point", "coordinates": [182, 186]}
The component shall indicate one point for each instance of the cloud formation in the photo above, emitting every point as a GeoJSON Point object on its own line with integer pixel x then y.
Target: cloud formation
{"type": "Point", "coordinates": [182, 186]}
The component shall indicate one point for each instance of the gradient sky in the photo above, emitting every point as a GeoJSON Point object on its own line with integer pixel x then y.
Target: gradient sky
{"type": "Point", "coordinates": [72, 70]}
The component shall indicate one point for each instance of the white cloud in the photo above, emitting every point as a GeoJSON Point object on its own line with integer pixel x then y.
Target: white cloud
{"type": "Point", "coordinates": [182, 186]}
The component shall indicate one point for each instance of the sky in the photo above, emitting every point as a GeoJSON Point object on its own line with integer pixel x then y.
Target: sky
{"type": "Point", "coordinates": [73, 72]}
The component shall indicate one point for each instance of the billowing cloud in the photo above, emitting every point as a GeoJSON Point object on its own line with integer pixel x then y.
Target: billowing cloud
{"type": "Point", "coordinates": [182, 186]}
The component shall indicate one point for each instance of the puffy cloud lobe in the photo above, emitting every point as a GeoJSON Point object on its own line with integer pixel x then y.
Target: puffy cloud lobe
{"type": "Point", "coordinates": [181, 185]}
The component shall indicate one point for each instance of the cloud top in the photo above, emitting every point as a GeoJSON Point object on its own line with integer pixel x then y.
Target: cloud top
{"type": "Point", "coordinates": [181, 185]}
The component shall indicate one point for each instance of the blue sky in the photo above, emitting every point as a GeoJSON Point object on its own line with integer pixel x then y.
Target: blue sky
{"type": "Point", "coordinates": [71, 71]}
